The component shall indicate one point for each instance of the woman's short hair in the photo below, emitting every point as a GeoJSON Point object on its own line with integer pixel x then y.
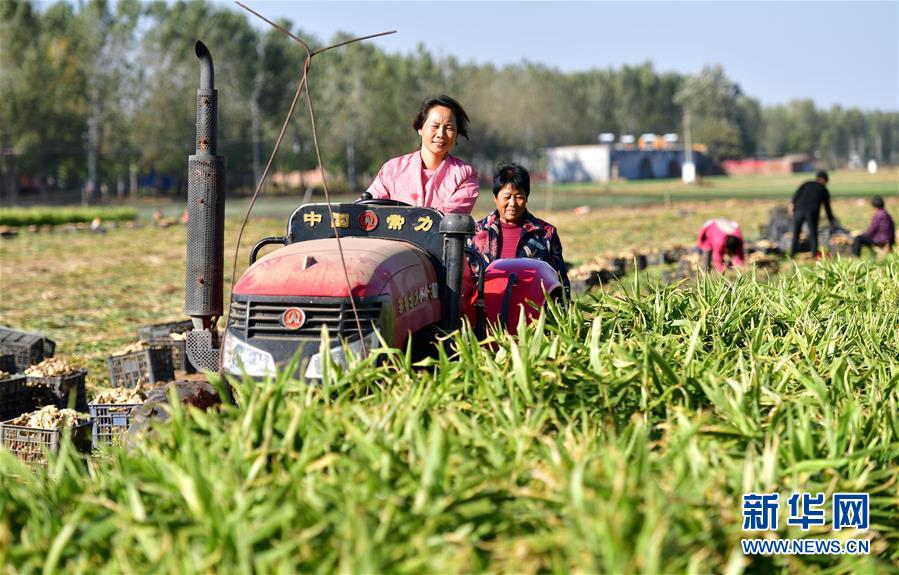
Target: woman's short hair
{"type": "Point", "coordinates": [442, 100]}
{"type": "Point", "coordinates": [877, 202]}
{"type": "Point", "coordinates": [514, 174]}
{"type": "Point", "coordinates": [732, 244]}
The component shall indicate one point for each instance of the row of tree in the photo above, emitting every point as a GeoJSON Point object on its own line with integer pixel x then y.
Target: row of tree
{"type": "Point", "coordinates": [100, 96]}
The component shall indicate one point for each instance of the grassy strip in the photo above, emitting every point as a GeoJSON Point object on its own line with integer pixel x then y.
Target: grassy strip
{"type": "Point", "coordinates": [843, 183]}
{"type": "Point", "coordinates": [63, 215]}
{"type": "Point", "coordinates": [615, 436]}
{"type": "Point", "coordinates": [717, 193]}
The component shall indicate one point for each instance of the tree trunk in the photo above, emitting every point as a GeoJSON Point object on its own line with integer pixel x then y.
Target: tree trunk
{"type": "Point", "coordinates": [132, 173]}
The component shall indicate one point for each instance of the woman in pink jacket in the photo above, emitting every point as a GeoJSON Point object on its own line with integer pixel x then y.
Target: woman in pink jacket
{"type": "Point", "coordinates": [431, 177]}
{"type": "Point", "coordinates": [717, 238]}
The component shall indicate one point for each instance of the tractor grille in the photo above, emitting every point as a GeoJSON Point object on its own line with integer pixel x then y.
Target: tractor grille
{"type": "Point", "coordinates": [260, 319]}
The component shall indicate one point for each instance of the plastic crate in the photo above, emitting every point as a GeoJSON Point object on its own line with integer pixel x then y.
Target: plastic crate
{"type": "Point", "coordinates": [28, 348]}
{"type": "Point", "coordinates": [110, 421]}
{"type": "Point", "coordinates": [178, 349]}
{"type": "Point", "coordinates": [655, 259]}
{"type": "Point", "coordinates": [673, 255]}
{"type": "Point", "coordinates": [158, 331]}
{"type": "Point", "coordinates": [8, 363]}
{"type": "Point", "coordinates": [57, 389]}
{"type": "Point", "coordinates": [31, 445]}
{"type": "Point", "coordinates": [15, 397]}
{"type": "Point", "coordinates": [151, 365]}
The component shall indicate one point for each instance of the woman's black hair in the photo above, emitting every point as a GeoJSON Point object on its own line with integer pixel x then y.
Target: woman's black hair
{"type": "Point", "coordinates": [877, 202]}
{"type": "Point", "coordinates": [732, 244]}
{"type": "Point", "coordinates": [442, 100]}
{"type": "Point", "coordinates": [514, 174]}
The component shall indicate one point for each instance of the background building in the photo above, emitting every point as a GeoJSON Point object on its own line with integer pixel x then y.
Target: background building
{"type": "Point", "coordinates": [650, 157]}
{"type": "Point", "coordinates": [790, 164]}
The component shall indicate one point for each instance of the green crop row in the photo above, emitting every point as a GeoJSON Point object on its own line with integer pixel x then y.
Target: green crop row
{"type": "Point", "coordinates": [45, 216]}
{"type": "Point", "coordinates": [616, 436]}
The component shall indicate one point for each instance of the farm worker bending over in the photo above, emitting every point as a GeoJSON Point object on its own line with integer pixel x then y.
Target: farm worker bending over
{"type": "Point", "coordinates": [806, 205]}
{"type": "Point", "coordinates": [881, 232]}
{"type": "Point", "coordinates": [431, 177]}
{"type": "Point", "coordinates": [512, 231]}
{"type": "Point", "coordinates": [717, 238]}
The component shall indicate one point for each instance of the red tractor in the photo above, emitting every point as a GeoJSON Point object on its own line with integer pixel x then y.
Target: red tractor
{"type": "Point", "coordinates": [406, 269]}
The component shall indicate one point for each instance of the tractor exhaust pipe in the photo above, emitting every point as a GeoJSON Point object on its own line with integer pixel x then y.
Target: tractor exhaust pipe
{"type": "Point", "coordinates": [207, 71]}
{"type": "Point", "coordinates": [205, 225]}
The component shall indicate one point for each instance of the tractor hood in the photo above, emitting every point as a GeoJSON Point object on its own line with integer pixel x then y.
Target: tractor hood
{"type": "Point", "coordinates": [313, 268]}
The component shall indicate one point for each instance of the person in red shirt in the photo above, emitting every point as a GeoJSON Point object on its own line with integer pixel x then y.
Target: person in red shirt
{"type": "Point", "coordinates": [718, 238]}
{"type": "Point", "coordinates": [512, 231]}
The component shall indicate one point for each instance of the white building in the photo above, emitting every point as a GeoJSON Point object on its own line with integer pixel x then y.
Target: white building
{"type": "Point", "coordinates": [590, 163]}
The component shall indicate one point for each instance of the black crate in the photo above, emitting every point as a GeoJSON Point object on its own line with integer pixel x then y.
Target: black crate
{"type": "Point", "coordinates": [641, 261]}
{"type": "Point", "coordinates": [673, 255]}
{"type": "Point", "coordinates": [162, 330]}
{"type": "Point", "coordinates": [15, 397]}
{"type": "Point", "coordinates": [57, 390]}
{"type": "Point", "coordinates": [151, 365]}
{"type": "Point", "coordinates": [178, 349]}
{"type": "Point", "coordinates": [110, 421]}
{"type": "Point", "coordinates": [8, 363]}
{"type": "Point", "coordinates": [31, 445]}
{"type": "Point", "coordinates": [27, 347]}
{"type": "Point", "coordinates": [655, 259]}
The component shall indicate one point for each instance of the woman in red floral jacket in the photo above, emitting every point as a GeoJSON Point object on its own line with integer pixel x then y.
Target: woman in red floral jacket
{"type": "Point", "coordinates": [512, 231]}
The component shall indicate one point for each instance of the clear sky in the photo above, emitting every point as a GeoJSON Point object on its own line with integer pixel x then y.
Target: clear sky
{"type": "Point", "coordinates": [843, 53]}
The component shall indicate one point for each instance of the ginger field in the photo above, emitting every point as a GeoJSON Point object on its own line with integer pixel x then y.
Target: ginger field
{"type": "Point", "coordinates": [616, 436]}
{"type": "Point", "coordinates": [90, 291]}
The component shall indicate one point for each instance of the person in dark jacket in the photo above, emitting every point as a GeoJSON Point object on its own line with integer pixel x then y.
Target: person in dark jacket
{"type": "Point", "coordinates": [881, 232]}
{"type": "Point", "coordinates": [511, 231]}
{"type": "Point", "coordinates": [806, 205]}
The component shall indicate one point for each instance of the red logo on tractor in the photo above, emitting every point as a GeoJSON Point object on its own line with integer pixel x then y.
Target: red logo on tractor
{"type": "Point", "coordinates": [368, 220]}
{"type": "Point", "coordinates": [293, 318]}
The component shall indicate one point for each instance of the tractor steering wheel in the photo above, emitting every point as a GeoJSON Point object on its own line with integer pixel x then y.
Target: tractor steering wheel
{"type": "Point", "coordinates": [381, 202]}
{"type": "Point", "coordinates": [366, 200]}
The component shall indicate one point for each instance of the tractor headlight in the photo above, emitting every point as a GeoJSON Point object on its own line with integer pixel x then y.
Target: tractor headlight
{"type": "Point", "coordinates": [339, 355]}
{"type": "Point", "coordinates": [238, 354]}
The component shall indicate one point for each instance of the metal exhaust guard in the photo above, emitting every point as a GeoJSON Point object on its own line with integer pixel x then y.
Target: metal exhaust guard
{"type": "Point", "coordinates": [205, 252]}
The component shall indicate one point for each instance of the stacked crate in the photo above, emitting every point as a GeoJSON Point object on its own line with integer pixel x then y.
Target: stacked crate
{"type": "Point", "coordinates": [15, 396]}
{"type": "Point", "coordinates": [147, 365]}
{"type": "Point", "coordinates": [153, 363]}
{"type": "Point", "coordinates": [66, 390]}
{"type": "Point", "coordinates": [32, 444]}
{"type": "Point", "coordinates": [21, 393]}
{"type": "Point", "coordinates": [110, 421]}
{"type": "Point", "coordinates": [160, 335]}
{"type": "Point", "coordinates": [27, 348]}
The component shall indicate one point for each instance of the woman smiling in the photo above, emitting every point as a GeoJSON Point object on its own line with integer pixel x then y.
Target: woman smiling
{"type": "Point", "coordinates": [512, 231]}
{"type": "Point", "coordinates": [431, 177]}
